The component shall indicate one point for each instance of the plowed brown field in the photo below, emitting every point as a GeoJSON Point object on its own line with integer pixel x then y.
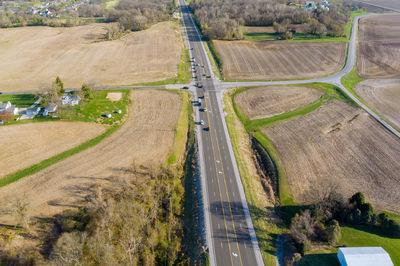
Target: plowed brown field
{"type": "Point", "coordinates": [343, 145]}
{"type": "Point", "coordinates": [379, 41]}
{"type": "Point", "coordinates": [268, 101]}
{"type": "Point", "coordinates": [24, 145]}
{"type": "Point", "coordinates": [147, 137]}
{"type": "Point", "coordinates": [383, 95]}
{"type": "Point", "coordinates": [265, 60]}
{"type": "Point", "coordinates": [32, 57]}
{"type": "Point", "coordinates": [392, 4]}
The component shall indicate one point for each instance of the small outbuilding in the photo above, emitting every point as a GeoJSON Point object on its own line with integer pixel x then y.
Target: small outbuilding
{"type": "Point", "coordinates": [364, 256]}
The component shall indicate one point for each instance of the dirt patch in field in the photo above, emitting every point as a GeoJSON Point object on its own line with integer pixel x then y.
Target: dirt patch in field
{"type": "Point", "coordinates": [256, 29]}
{"type": "Point", "coordinates": [114, 96]}
{"type": "Point", "coordinates": [339, 145]}
{"type": "Point", "coordinates": [32, 57]}
{"type": "Point", "coordinates": [269, 101]}
{"type": "Point", "coordinates": [24, 145]}
{"type": "Point", "coordinates": [146, 138]}
{"type": "Point", "coordinates": [266, 60]}
{"type": "Point", "coordinates": [379, 41]}
{"type": "Point", "coordinates": [383, 95]}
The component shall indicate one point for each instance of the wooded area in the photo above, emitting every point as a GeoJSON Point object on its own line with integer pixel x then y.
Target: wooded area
{"type": "Point", "coordinates": [223, 19]}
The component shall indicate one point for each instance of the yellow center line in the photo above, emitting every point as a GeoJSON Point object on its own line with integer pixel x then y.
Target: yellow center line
{"type": "Point", "coordinates": [229, 201]}
{"type": "Point", "coordinates": [219, 189]}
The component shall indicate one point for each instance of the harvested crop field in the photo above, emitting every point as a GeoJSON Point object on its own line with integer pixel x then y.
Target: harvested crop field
{"type": "Point", "coordinates": [378, 54]}
{"type": "Point", "coordinates": [383, 95]}
{"type": "Point", "coordinates": [391, 4]}
{"type": "Point", "coordinates": [339, 145]}
{"type": "Point", "coordinates": [263, 102]}
{"type": "Point", "coordinates": [32, 57]}
{"type": "Point", "coordinates": [267, 60]}
{"type": "Point", "coordinates": [24, 145]}
{"type": "Point", "coordinates": [146, 138]}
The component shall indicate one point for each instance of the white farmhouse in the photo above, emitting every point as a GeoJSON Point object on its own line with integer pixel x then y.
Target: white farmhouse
{"type": "Point", "coordinates": [9, 108]}
{"type": "Point", "coordinates": [69, 99]}
{"type": "Point", "coordinates": [364, 256]}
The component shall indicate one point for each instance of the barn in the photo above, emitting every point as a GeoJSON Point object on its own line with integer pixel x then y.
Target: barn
{"type": "Point", "coordinates": [364, 256]}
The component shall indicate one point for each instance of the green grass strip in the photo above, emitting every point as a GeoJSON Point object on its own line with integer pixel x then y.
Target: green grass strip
{"type": "Point", "coordinates": [59, 157]}
{"type": "Point", "coordinates": [181, 129]}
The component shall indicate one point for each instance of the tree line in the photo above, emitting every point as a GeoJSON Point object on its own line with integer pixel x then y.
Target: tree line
{"type": "Point", "coordinates": [223, 19]}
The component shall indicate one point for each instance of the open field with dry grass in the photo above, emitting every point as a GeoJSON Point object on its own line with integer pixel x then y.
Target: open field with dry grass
{"type": "Point", "coordinates": [378, 53]}
{"type": "Point", "coordinates": [263, 102]}
{"type": "Point", "coordinates": [266, 60]}
{"type": "Point", "coordinates": [392, 4]}
{"type": "Point", "coordinates": [146, 138]}
{"type": "Point", "coordinates": [383, 95]}
{"type": "Point", "coordinates": [32, 57]}
{"type": "Point", "coordinates": [24, 145]}
{"type": "Point", "coordinates": [339, 145]}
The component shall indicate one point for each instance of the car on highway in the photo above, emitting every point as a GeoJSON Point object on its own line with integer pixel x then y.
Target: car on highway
{"type": "Point", "coordinates": [185, 88]}
{"type": "Point", "coordinates": [199, 85]}
{"type": "Point", "coordinates": [206, 129]}
{"type": "Point", "coordinates": [201, 122]}
{"type": "Point", "coordinates": [203, 109]}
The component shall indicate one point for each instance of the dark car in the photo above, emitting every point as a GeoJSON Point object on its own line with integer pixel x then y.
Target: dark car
{"type": "Point", "coordinates": [208, 76]}
{"type": "Point", "coordinates": [185, 88]}
{"type": "Point", "coordinates": [206, 129]}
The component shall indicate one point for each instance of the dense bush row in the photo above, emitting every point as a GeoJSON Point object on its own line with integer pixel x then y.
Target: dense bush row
{"type": "Point", "coordinates": [223, 19]}
{"type": "Point", "coordinates": [138, 223]}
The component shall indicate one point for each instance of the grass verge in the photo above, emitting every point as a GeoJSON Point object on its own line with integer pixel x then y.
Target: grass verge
{"type": "Point", "coordinates": [181, 129]}
{"type": "Point", "coordinates": [216, 67]}
{"type": "Point", "coordinates": [262, 214]}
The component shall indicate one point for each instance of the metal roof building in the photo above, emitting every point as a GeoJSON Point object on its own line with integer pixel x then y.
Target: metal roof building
{"type": "Point", "coordinates": [364, 256]}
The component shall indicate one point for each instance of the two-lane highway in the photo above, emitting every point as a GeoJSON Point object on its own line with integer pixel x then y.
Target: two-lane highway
{"type": "Point", "coordinates": [230, 234]}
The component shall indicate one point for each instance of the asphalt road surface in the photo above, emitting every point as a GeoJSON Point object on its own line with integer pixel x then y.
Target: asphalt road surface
{"type": "Point", "coordinates": [230, 234]}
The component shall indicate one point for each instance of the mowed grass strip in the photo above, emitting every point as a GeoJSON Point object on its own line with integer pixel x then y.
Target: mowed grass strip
{"type": "Point", "coordinates": [181, 130]}
{"type": "Point", "coordinates": [50, 161]}
{"type": "Point", "coordinates": [19, 100]}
